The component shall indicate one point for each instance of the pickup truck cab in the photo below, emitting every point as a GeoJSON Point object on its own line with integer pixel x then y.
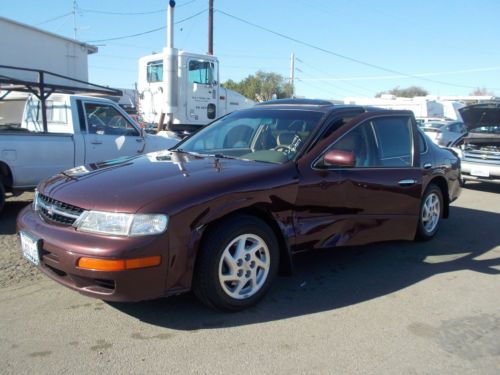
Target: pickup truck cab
{"type": "Point", "coordinates": [80, 130]}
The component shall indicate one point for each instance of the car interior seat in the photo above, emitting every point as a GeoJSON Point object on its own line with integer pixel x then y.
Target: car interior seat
{"type": "Point", "coordinates": [238, 137]}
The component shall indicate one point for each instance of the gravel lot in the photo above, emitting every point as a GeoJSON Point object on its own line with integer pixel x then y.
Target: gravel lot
{"type": "Point", "coordinates": [13, 269]}
{"type": "Point", "coordinates": [402, 307]}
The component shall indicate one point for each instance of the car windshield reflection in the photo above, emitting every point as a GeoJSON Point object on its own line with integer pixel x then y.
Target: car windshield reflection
{"type": "Point", "coordinates": [272, 136]}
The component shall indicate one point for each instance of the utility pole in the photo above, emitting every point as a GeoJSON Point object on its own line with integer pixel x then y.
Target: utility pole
{"type": "Point", "coordinates": [210, 27]}
{"type": "Point", "coordinates": [75, 7]}
{"type": "Point", "coordinates": [292, 74]}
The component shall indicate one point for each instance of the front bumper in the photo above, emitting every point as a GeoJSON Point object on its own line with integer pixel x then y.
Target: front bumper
{"type": "Point", "coordinates": [487, 172]}
{"type": "Point", "coordinates": [62, 246]}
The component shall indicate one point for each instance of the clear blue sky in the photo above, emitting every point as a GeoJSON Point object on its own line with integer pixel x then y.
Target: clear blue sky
{"type": "Point", "coordinates": [453, 42]}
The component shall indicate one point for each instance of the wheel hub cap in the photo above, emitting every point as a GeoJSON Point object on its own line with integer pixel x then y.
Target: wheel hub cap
{"type": "Point", "coordinates": [244, 266]}
{"type": "Point", "coordinates": [431, 212]}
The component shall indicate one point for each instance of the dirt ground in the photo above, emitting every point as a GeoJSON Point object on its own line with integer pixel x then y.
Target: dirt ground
{"type": "Point", "coordinates": [13, 269]}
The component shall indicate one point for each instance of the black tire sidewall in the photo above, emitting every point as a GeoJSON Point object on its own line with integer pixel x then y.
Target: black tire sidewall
{"type": "Point", "coordinates": [422, 233]}
{"type": "Point", "coordinates": [217, 241]}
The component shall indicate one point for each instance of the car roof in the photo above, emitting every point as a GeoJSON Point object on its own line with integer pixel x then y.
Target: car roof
{"type": "Point", "coordinates": [318, 105]}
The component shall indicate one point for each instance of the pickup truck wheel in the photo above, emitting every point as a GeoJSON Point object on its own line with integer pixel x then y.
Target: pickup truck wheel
{"type": "Point", "coordinates": [431, 211]}
{"type": "Point", "coordinates": [237, 264]}
{"type": "Point", "coordinates": [2, 196]}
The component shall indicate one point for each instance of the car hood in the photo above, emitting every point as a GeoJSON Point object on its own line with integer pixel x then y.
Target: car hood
{"type": "Point", "coordinates": [478, 115]}
{"type": "Point", "coordinates": [172, 178]}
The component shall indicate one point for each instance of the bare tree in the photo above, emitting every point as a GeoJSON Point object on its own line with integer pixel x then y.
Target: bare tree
{"type": "Point", "coordinates": [482, 91]}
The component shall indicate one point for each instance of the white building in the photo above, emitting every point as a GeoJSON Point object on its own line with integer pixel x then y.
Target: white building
{"type": "Point", "coordinates": [29, 47]}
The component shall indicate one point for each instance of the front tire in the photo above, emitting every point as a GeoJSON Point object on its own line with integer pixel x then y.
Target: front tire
{"type": "Point", "coordinates": [236, 264]}
{"type": "Point", "coordinates": [431, 211]}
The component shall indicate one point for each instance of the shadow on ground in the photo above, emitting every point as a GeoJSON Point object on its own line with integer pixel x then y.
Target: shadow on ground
{"type": "Point", "coordinates": [483, 186]}
{"type": "Point", "coordinates": [9, 214]}
{"type": "Point", "coordinates": [331, 279]}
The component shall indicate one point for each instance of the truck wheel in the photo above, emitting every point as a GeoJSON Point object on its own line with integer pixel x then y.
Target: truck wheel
{"type": "Point", "coordinates": [2, 196]}
{"type": "Point", "coordinates": [237, 264]}
{"type": "Point", "coordinates": [431, 211]}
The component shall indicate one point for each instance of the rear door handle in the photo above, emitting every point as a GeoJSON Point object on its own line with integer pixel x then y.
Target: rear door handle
{"type": "Point", "coordinates": [139, 140]}
{"type": "Point", "coordinates": [427, 166]}
{"type": "Point", "coordinates": [96, 143]}
{"type": "Point", "coordinates": [408, 182]}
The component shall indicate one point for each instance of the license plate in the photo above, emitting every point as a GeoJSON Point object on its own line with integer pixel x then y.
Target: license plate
{"type": "Point", "coordinates": [30, 247]}
{"type": "Point", "coordinates": [480, 172]}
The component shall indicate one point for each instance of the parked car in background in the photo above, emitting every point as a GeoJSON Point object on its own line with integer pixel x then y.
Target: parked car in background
{"type": "Point", "coordinates": [442, 132]}
{"type": "Point", "coordinates": [222, 211]}
{"type": "Point", "coordinates": [479, 150]}
{"type": "Point", "coordinates": [80, 130]}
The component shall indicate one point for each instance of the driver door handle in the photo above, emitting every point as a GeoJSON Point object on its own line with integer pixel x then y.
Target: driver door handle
{"type": "Point", "coordinates": [408, 182]}
{"type": "Point", "coordinates": [96, 143]}
{"type": "Point", "coordinates": [139, 140]}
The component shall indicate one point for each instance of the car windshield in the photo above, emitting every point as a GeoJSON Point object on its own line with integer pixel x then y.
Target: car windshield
{"type": "Point", "coordinates": [494, 129]}
{"type": "Point", "coordinates": [273, 136]}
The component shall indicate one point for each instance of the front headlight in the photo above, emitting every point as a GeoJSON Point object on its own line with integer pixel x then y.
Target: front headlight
{"type": "Point", "coordinates": [118, 224]}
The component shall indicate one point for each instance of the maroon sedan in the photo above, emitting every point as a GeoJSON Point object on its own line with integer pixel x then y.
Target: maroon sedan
{"type": "Point", "coordinates": [228, 207]}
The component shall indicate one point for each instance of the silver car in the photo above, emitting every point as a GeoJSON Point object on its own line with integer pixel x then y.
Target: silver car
{"type": "Point", "coordinates": [479, 150]}
{"type": "Point", "coordinates": [443, 132]}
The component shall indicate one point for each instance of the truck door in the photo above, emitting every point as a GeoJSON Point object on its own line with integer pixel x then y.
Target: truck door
{"type": "Point", "coordinates": [109, 133]}
{"type": "Point", "coordinates": [202, 91]}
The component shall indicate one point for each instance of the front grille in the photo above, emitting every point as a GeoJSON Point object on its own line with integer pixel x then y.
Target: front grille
{"type": "Point", "coordinates": [58, 212]}
{"type": "Point", "coordinates": [482, 156]}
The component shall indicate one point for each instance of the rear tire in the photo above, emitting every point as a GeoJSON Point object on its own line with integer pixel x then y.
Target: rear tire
{"type": "Point", "coordinates": [431, 211]}
{"type": "Point", "coordinates": [236, 264]}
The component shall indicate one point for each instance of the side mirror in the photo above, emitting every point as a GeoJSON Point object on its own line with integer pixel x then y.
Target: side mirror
{"type": "Point", "coordinates": [340, 158]}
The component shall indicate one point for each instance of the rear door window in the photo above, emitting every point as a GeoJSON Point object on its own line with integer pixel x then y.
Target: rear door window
{"type": "Point", "coordinates": [394, 140]}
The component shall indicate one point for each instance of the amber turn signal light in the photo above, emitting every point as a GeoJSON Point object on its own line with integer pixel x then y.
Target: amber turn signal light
{"type": "Point", "coordinates": [97, 264]}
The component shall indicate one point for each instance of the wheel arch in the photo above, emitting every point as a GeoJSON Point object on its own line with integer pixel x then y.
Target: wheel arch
{"type": "Point", "coordinates": [442, 184]}
{"type": "Point", "coordinates": [6, 176]}
{"type": "Point", "coordinates": [263, 214]}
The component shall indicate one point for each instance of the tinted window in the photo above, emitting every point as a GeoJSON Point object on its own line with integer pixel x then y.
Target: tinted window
{"type": "Point", "coordinates": [106, 120]}
{"type": "Point", "coordinates": [394, 140]}
{"type": "Point", "coordinates": [361, 143]}
{"type": "Point", "coordinates": [422, 144]}
{"type": "Point", "coordinates": [155, 71]}
{"type": "Point", "coordinates": [382, 142]}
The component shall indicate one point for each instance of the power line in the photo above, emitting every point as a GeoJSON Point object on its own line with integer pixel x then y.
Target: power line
{"type": "Point", "coordinates": [326, 81]}
{"type": "Point", "coordinates": [146, 32]}
{"type": "Point", "coordinates": [345, 57]}
{"type": "Point", "coordinates": [121, 13]}
{"type": "Point", "coordinates": [112, 13]}
{"type": "Point", "coordinates": [449, 72]}
{"type": "Point", "coordinates": [55, 18]}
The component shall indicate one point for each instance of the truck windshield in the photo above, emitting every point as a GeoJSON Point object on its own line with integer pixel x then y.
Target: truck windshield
{"type": "Point", "coordinates": [273, 136]}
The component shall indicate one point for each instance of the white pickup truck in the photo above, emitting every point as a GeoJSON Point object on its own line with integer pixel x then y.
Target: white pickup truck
{"type": "Point", "coordinates": [80, 130]}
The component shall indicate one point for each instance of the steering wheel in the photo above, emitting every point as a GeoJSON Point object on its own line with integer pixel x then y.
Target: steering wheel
{"type": "Point", "coordinates": [284, 148]}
